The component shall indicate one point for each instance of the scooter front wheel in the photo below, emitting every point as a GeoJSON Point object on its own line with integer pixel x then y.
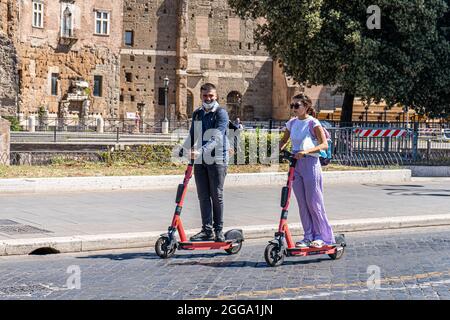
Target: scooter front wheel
{"type": "Point", "coordinates": [235, 249]}
{"type": "Point", "coordinates": [340, 239]}
{"type": "Point", "coordinates": [273, 256]}
{"type": "Point", "coordinates": [338, 254]}
{"type": "Point", "coordinates": [162, 248]}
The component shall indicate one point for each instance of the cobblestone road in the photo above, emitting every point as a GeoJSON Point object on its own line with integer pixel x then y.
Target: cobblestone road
{"type": "Point", "coordinates": [412, 264]}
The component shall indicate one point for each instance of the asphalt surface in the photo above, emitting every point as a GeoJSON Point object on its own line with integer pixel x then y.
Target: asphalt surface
{"type": "Point", "coordinates": [83, 213]}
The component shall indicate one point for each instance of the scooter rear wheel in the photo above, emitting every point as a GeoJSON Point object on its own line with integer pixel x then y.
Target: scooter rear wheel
{"type": "Point", "coordinates": [273, 256]}
{"type": "Point", "coordinates": [162, 250]}
{"type": "Point", "coordinates": [235, 249]}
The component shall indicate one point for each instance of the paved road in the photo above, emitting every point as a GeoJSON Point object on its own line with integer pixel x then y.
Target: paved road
{"type": "Point", "coordinates": [66, 214]}
{"type": "Point", "coordinates": [413, 264]}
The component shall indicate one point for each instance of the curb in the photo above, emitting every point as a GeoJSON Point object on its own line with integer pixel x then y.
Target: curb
{"type": "Point", "coordinates": [37, 185]}
{"type": "Point", "coordinates": [430, 171]}
{"type": "Point", "coordinates": [85, 243]}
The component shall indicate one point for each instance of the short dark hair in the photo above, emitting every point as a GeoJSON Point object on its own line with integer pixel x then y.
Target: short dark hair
{"type": "Point", "coordinates": [208, 87]}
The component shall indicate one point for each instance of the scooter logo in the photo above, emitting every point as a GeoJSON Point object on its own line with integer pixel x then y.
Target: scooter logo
{"type": "Point", "coordinates": [374, 281]}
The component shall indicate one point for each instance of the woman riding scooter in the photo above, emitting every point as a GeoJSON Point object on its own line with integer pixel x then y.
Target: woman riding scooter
{"type": "Point", "coordinates": [307, 184]}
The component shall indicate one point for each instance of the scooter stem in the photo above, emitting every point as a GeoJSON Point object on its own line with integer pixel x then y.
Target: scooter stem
{"type": "Point", "coordinates": [187, 177]}
{"type": "Point", "coordinates": [176, 221]}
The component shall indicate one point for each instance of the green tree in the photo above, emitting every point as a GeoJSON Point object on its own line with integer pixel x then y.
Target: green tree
{"type": "Point", "coordinates": [14, 123]}
{"type": "Point", "coordinates": [324, 42]}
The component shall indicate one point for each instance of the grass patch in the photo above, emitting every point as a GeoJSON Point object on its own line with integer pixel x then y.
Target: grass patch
{"type": "Point", "coordinates": [87, 169]}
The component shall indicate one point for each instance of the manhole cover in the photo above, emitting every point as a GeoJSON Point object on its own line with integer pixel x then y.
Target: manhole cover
{"type": "Point", "coordinates": [5, 222]}
{"type": "Point", "coordinates": [20, 229]}
{"type": "Point", "coordinates": [23, 290]}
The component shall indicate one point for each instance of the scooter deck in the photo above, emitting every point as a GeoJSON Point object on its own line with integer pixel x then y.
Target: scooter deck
{"type": "Point", "coordinates": [309, 251]}
{"type": "Point", "coordinates": [205, 245]}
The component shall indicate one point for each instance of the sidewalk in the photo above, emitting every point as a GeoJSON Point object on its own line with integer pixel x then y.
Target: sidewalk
{"type": "Point", "coordinates": [108, 220]}
{"type": "Point", "coordinates": [108, 183]}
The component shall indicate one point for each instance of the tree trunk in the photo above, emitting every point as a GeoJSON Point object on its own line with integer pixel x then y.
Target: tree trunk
{"type": "Point", "coordinates": [347, 110]}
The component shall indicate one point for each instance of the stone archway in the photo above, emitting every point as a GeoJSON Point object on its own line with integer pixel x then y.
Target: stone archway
{"type": "Point", "coordinates": [234, 101]}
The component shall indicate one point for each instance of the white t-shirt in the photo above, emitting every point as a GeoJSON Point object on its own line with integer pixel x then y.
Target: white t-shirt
{"type": "Point", "coordinates": [300, 133]}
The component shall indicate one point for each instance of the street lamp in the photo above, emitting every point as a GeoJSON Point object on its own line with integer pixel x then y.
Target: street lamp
{"type": "Point", "coordinates": [407, 116]}
{"type": "Point", "coordinates": [165, 124]}
{"type": "Point", "coordinates": [166, 90]}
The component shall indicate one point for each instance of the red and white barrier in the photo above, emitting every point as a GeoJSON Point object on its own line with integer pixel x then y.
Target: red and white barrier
{"type": "Point", "coordinates": [429, 131]}
{"type": "Point", "coordinates": [380, 133]}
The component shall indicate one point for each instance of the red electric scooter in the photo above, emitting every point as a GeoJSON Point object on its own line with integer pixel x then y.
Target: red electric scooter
{"type": "Point", "coordinates": [167, 244]}
{"type": "Point", "coordinates": [283, 245]}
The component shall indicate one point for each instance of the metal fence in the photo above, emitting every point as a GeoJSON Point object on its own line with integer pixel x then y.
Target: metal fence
{"type": "Point", "coordinates": [34, 158]}
{"type": "Point", "coordinates": [131, 126]}
{"type": "Point", "coordinates": [418, 144]}
{"type": "Point", "coordinates": [441, 125]}
{"type": "Point", "coordinates": [108, 125]}
{"type": "Point", "coordinates": [350, 147]}
{"type": "Point", "coordinates": [131, 156]}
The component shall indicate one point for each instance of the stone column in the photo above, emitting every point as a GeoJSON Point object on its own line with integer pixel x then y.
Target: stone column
{"type": "Point", "coordinates": [4, 142]}
{"type": "Point", "coordinates": [182, 59]}
{"type": "Point", "coordinates": [100, 124]}
{"type": "Point", "coordinates": [31, 124]}
{"type": "Point", "coordinates": [165, 127]}
{"type": "Point", "coordinates": [64, 115]}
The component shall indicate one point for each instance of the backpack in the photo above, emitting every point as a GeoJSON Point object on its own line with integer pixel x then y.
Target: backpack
{"type": "Point", "coordinates": [235, 145]}
{"type": "Point", "coordinates": [324, 156]}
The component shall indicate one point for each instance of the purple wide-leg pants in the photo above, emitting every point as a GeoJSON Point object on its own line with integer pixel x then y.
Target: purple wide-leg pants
{"type": "Point", "coordinates": [308, 190]}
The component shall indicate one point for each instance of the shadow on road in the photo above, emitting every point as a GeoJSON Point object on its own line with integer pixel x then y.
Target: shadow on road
{"type": "Point", "coordinates": [197, 259]}
{"type": "Point", "coordinates": [245, 264]}
{"type": "Point", "coordinates": [151, 256]}
{"type": "Point", "coordinates": [410, 190]}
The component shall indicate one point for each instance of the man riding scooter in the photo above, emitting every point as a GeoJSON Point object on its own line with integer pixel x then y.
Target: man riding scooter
{"type": "Point", "coordinates": [208, 130]}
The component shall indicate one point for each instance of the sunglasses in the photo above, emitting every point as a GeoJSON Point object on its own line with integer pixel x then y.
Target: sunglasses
{"type": "Point", "coordinates": [296, 105]}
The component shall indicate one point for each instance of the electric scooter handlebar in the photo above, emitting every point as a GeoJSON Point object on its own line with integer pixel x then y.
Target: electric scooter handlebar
{"type": "Point", "coordinates": [286, 155]}
{"type": "Point", "coordinates": [181, 153]}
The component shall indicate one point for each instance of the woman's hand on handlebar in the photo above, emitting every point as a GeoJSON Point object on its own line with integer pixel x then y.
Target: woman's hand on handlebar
{"type": "Point", "coordinates": [300, 155]}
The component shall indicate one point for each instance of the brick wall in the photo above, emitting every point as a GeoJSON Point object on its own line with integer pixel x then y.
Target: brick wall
{"type": "Point", "coordinates": [8, 77]}
{"type": "Point", "coordinates": [42, 51]}
{"type": "Point", "coordinates": [222, 51]}
{"type": "Point", "coordinates": [150, 58]}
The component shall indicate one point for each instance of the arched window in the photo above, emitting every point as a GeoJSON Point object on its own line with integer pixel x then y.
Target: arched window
{"type": "Point", "coordinates": [67, 28]}
{"type": "Point", "coordinates": [189, 104]}
{"type": "Point", "coordinates": [234, 100]}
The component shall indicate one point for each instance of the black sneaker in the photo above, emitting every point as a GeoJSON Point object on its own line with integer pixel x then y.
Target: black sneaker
{"type": "Point", "coordinates": [203, 236]}
{"type": "Point", "coordinates": [219, 236]}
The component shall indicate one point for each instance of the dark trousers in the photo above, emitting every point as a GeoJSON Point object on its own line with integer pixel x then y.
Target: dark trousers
{"type": "Point", "coordinates": [209, 179]}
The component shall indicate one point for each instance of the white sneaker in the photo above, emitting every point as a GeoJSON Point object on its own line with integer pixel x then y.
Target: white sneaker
{"type": "Point", "coordinates": [303, 244]}
{"type": "Point", "coordinates": [317, 243]}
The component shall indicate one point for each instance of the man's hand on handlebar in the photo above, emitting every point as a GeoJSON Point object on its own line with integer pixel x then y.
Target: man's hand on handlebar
{"type": "Point", "coordinates": [194, 154]}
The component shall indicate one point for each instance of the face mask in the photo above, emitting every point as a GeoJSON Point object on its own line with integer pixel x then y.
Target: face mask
{"type": "Point", "coordinates": [210, 105]}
